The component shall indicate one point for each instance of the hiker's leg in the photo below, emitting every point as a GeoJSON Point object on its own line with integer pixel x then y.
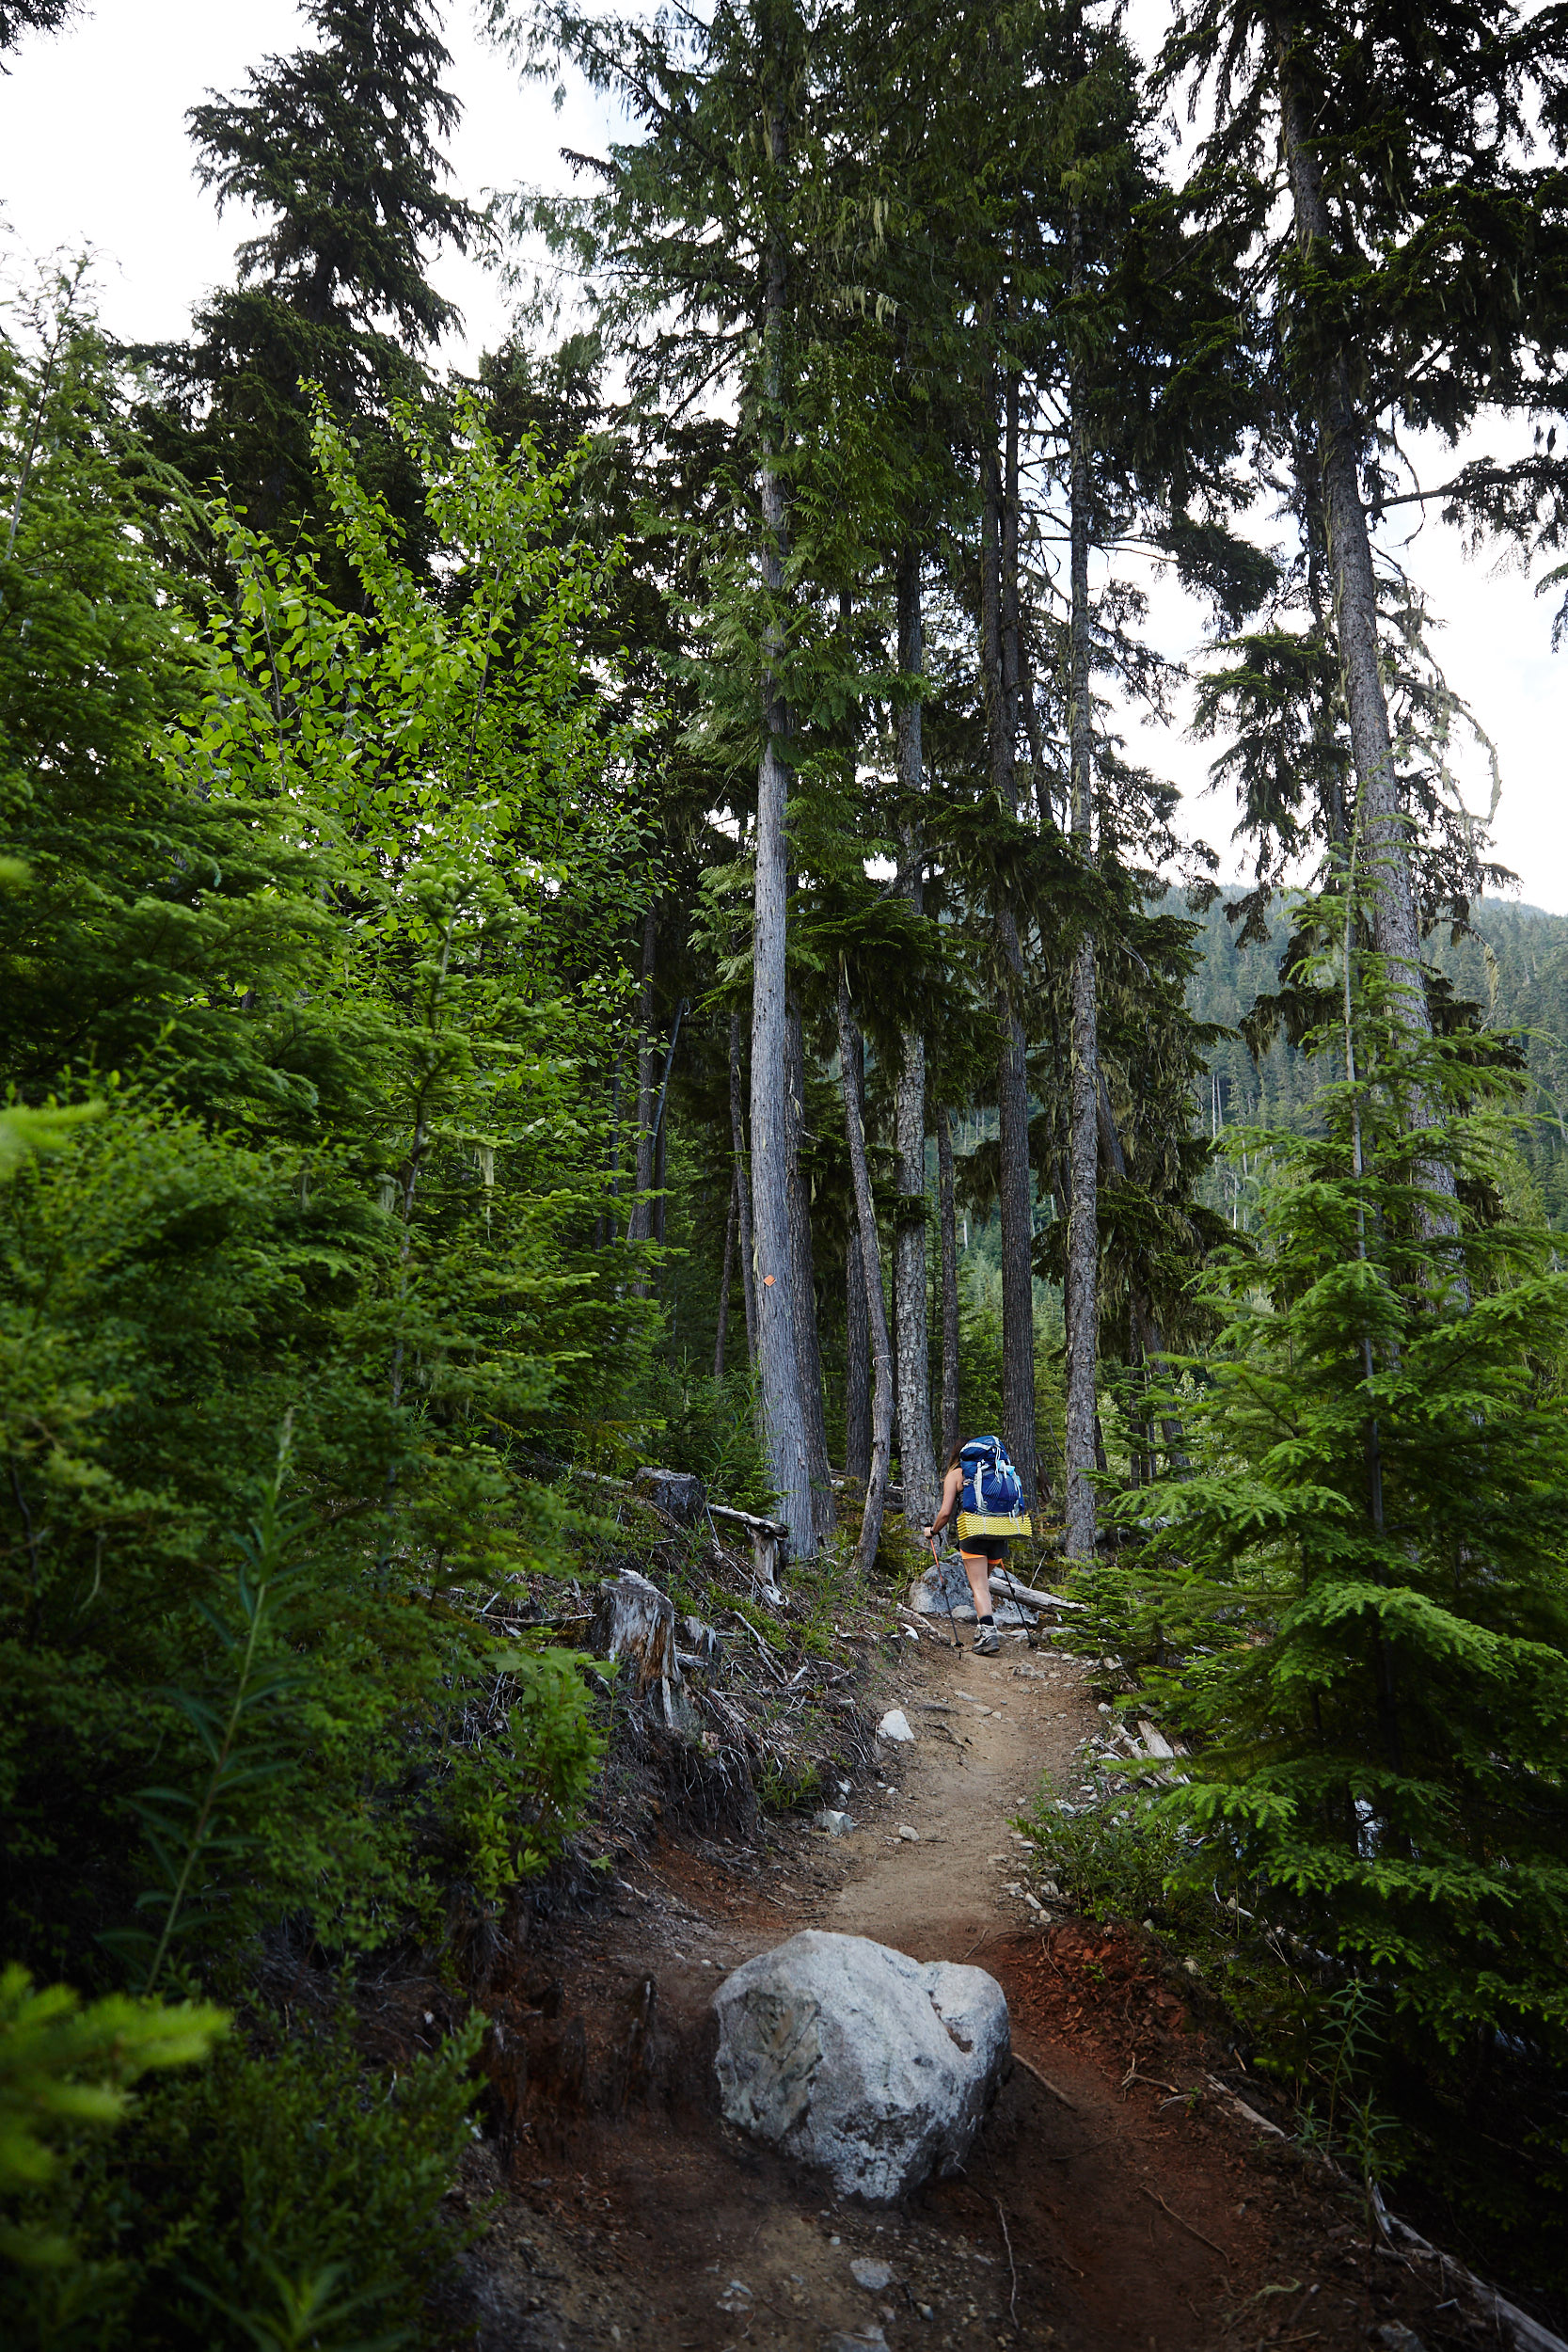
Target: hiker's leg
{"type": "Point", "coordinates": [978, 1570]}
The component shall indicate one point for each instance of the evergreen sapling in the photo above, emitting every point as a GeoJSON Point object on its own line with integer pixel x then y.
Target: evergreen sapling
{"type": "Point", "coordinates": [1363, 1577]}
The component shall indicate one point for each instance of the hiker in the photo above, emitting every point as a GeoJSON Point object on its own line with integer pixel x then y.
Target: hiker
{"type": "Point", "coordinates": [979, 1475]}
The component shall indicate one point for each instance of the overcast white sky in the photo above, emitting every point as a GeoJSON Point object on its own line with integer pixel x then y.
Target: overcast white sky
{"type": "Point", "coordinates": [93, 151]}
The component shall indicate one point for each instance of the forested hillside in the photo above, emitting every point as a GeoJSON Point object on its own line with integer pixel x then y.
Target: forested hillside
{"type": "Point", "coordinates": [591, 911]}
{"type": "Point", "coordinates": [1508, 962]}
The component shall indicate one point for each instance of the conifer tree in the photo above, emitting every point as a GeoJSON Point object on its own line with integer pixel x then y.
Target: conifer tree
{"type": "Point", "coordinates": [1119, 316]}
{"type": "Point", "coordinates": [337, 149]}
{"type": "Point", "coordinates": [1414, 281]}
{"type": "Point", "coordinates": [1136, 295]}
{"type": "Point", "coordinates": [922, 1493]}
{"type": "Point", "coordinates": [1083, 1249]}
{"type": "Point", "coordinates": [723, 193]}
{"type": "Point", "coordinates": [21, 17]}
{"type": "Point", "coordinates": [1365, 1568]}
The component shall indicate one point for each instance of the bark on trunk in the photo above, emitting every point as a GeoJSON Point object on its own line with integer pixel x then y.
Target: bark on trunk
{"type": "Point", "coordinates": [808, 1347]}
{"type": "Point", "coordinates": [1017, 1239]}
{"type": "Point", "coordinates": [607, 1224]}
{"type": "Point", "coordinates": [856, 1400]}
{"type": "Point", "coordinates": [857, 1365]}
{"type": "Point", "coordinates": [1037, 801]}
{"type": "Point", "coordinates": [999, 659]}
{"type": "Point", "coordinates": [948, 1223]}
{"type": "Point", "coordinates": [782, 1413]}
{"type": "Point", "coordinates": [1082, 1261]}
{"type": "Point", "coordinates": [1151, 1342]}
{"type": "Point", "coordinates": [639, 1219]}
{"type": "Point", "coordinates": [742, 1191]}
{"type": "Point", "coordinates": [615, 1154]}
{"type": "Point", "coordinates": [1382, 830]}
{"type": "Point", "coordinates": [725, 1279]}
{"type": "Point", "coordinates": [1082, 1250]}
{"type": "Point", "coordinates": [881, 1351]}
{"type": "Point", "coordinates": [661, 1159]}
{"type": "Point", "coordinates": [1147, 1337]}
{"type": "Point", "coordinates": [921, 1492]}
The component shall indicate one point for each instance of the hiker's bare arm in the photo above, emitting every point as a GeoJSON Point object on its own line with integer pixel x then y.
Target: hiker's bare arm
{"type": "Point", "coordinates": [952, 1488]}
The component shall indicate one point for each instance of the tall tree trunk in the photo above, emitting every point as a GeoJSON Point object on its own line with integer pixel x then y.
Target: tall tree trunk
{"type": "Point", "coordinates": [871, 1264]}
{"type": "Point", "coordinates": [999, 661]}
{"type": "Point", "coordinates": [949, 1229]}
{"type": "Point", "coordinates": [808, 1346]}
{"type": "Point", "coordinates": [1039, 802]}
{"type": "Point", "coordinates": [1082, 1247]}
{"type": "Point", "coordinates": [857, 1393]}
{"type": "Point", "coordinates": [639, 1217]}
{"type": "Point", "coordinates": [1147, 1338]}
{"type": "Point", "coordinates": [1381, 826]}
{"type": "Point", "coordinates": [615, 1154]}
{"type": "Point", "coordinates": [742, 1191]}
{"type": "Point", "coordinates": [783, 1412]}
{"type": "Point", "coordinates": [1331, 778]}
{"type": "Point", "coordinates": [725, 1279]}
{"type": "Point", "coordinates": [661, 1158]}
{"type": "Point", "coordinates": [921, 1492]}
{"type": "Point", "coordinates": [607, 1225]}
{"type": "Point", "coordinates": [857, 1364]}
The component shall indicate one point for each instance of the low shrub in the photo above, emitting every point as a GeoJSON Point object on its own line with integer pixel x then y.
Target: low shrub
{"type": "Point", "coordinates": [708, 1427]}
{"type": "Point", "coordinates": [279, 2197]}
{"type": "Point", "coordinates": [1118, 1860]}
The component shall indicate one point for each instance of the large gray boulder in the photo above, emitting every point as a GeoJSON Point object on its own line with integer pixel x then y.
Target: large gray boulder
{"type": "Point", "coordinates": [847, 2054]}
{"type": "Point", "coordinates": [937, 1590]}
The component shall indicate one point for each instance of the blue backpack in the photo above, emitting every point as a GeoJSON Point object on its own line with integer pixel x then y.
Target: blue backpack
{"type": "Point", "coordinates": [991, 1487]}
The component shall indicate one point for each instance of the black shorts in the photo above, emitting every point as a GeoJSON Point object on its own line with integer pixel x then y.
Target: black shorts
{"type": "Point", "coordinates": [992, 1547]}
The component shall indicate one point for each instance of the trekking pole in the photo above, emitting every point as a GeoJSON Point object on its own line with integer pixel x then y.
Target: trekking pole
{"type": "Point", "coordinates": [1012, 1596]}
{"type": "Point", "coordinates": [942, 1587]}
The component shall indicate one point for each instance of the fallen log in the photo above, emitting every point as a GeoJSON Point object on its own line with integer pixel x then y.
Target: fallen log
{"type": "Point", "coordinates": [1004, 1584]}
{"type": "Point", "coordinates": [1239, 2107]}
{"type": "Point", "coordinates": [1510, 2325]}
{"type": "Point", "coordinates": [1155, 1742]}
{"type": "Point", "coordinates": [748, 1519]}
{"type": "Point", "coordinates": [1513, 2325]}
{"type": "Point", "coordinates": [1037, 1599]}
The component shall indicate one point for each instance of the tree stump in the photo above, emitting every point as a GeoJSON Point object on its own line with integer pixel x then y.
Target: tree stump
{"type": "Point", "coordinates": [677, 1493]}
{"type": "Point", "coordinates": [770, 1542]}
{"type": "Point", "coordinates": [701, 1646]}
{"type": "Point", "coordinates": [634, 1625]}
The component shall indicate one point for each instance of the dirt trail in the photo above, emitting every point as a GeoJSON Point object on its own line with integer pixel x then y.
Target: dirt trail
{"type": "Point", "coordinates": [986, 1729]}
{"type": "Point", "coordinates": [1112, 2200]}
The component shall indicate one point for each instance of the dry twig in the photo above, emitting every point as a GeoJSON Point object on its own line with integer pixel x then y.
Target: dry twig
{"type": "Point", "coordinates": [1188, 2226]}
{"type": "Point", "coordinates": [1012, 2300]}
{"type": "Point", "coordinates": [1153, 2082]}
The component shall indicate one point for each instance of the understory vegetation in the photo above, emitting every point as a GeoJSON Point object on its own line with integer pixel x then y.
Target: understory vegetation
{"type": "Point", "coordinates": [1348, 1601]}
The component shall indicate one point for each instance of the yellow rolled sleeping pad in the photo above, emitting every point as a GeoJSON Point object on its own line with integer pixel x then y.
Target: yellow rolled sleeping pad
{"type": "Point", "coordinates": [982, 1523]}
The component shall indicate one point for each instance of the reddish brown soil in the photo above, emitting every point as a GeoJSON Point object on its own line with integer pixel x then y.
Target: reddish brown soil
{"type": "Point", "coordinates": [1112, 2199]}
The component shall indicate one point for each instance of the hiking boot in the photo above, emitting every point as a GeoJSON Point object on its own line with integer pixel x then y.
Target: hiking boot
{"type": "Point", "coordinates": [987, 1642]}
